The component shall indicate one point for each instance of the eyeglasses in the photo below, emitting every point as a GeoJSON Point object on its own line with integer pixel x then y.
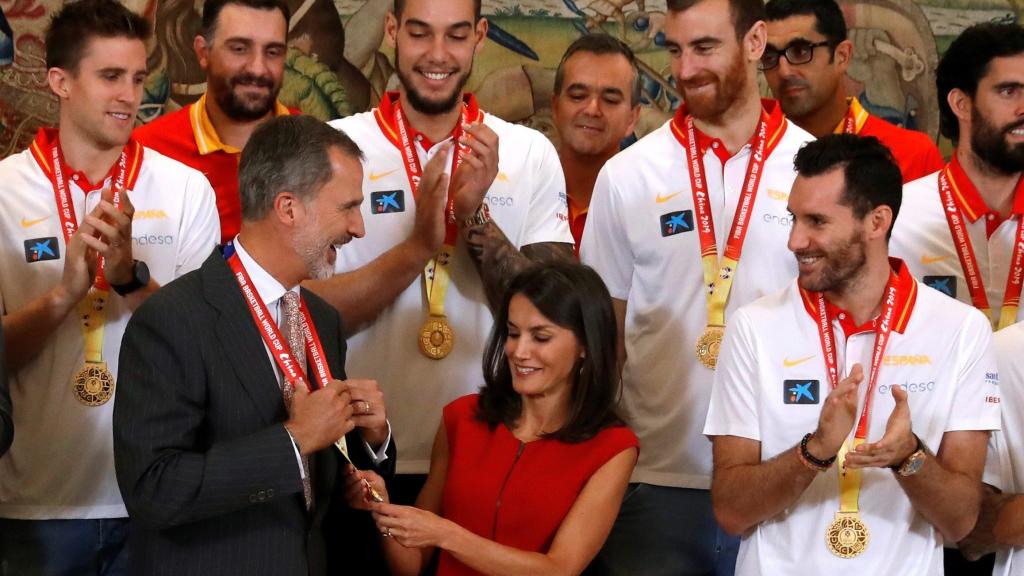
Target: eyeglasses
{"type": "Point", "coordinates": [798, 52]}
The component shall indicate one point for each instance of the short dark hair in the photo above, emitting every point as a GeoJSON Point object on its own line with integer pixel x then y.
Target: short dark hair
{"type": "Point", "coordinates": [400, 6]}
{"type": "Point", "coordinates": [967, 61]}
{"type": "Point", "coordinates": [601, 44]}
{"type": "Point", "coordinates": [288, 153]}
{"type": "Point", "coordinates": [574, 297]}
{"type": "Point", "coordinates": [871, 176]}
{"type": "Point", "coordinates": [828, 16]}
{"type": "Point", "coordinates": [745, 13]}
{"type": "Point", "coordinates": [77, 23]}
{"type": "Point", "coordinates": [213, 8]}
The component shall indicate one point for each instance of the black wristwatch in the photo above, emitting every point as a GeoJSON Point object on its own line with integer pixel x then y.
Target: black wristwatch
{"type": "Point", "coordinates": [140, 278]}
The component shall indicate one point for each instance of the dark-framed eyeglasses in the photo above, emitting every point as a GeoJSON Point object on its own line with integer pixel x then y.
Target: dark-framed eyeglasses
{"type": "Point", "coordinates": [798, 52]}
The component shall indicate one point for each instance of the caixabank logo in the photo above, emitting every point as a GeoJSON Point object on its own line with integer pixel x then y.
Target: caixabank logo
{"type": "Point", "coordinates": [676, 223]}
{"type": "Point", "coordinates": [388, 201]}
{"type": "Point", "coordinates": [42, 249]}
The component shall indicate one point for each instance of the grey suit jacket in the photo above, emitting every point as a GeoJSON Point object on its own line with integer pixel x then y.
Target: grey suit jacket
{"type": "Point", "coordinates": [203, 461]}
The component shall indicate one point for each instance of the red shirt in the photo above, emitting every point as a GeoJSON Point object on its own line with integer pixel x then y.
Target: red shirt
{"type": "Point", "coordinates": [514, 493]}
{"type": "Point", "coordinates": [914, 151]}
{"type": "Point", "coordinates": [188, 136]}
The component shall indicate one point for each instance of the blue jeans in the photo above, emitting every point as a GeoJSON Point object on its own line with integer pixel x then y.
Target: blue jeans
{"type": "Point", "coordinates": [663, 531]}
{"type": "Point", "coordinates": [64, 547]}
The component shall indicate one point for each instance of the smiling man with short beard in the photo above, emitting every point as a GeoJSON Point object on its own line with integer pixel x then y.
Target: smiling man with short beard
{"type": "Point", "coordinates": [242, 50]}
{"type": "Point", "coordinates": [416, 295]}
{"type": "Point", "coordinates": [979, 195]}
{"type": "Point", "coordinates": [663, 214]}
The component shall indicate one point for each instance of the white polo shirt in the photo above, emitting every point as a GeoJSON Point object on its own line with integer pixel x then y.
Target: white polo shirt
{"type": "Point", "coordinates": [939, 352]}
{"type": "Point", "coordinates": [61, 464]}
{"type": "Point", "coordinates": [527, 201]}
{"type": "Point", "coordinates": [921, 237]}
{"type": "Point", "coordinates": [665, 388]}
{"type": "Point", "coordinates": [1005, 466]}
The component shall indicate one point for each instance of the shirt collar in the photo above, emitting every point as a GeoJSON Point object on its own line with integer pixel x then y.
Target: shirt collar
{"type": "Point", "coordinates": [906, 297]}
{"type": "Point", "coordinates": [967, 197]}
{"type": "Point", "coordinates": [269, 289]}
{"type": "Point", "coordinates": [385, 115]}
{"type": "Point", "coordinates": [860, 117]}
{"type": "Point", "coordinates": [46, 138]}
{"type": "Point", "coordinates": [776, 127]}
{"type": "Point", "coordinates": [207, 139]}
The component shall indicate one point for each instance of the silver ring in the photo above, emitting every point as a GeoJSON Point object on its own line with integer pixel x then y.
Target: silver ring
{"type": "Point", "coordinates": [387, 533]}
{"type": "Point", "coordinates": [366, 407]}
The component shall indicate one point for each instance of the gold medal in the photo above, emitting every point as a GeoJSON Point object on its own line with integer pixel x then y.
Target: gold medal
{"type": "Point", "coordinates": [94, 384]}
{"type": "Point", "coordinates": [847, 536]}
{"type": "Point", "coordinates": [708, 344]}
{"type": "Point", "coordinates": [436, 338]}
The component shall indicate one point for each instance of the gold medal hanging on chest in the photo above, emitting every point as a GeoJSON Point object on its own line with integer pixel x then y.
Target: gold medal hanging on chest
{"type": "Point", "coordinates": [847, 536]}
{"type": "Point", "coordinates": [94, 384]}
{"type": "Point", "coordinates": [709, 344]}
{"type": "Point", "coordinates": [437, 337]}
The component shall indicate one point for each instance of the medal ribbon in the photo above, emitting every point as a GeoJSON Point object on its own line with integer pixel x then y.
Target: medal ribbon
{"type": "Point", "coordinates": [437, 272]}
{"type": "Point", "coordinates": [92, 309]}
{"type": "Point", "coordinates": [718, 277]}
{"type": "Point", "coordinates": [969, 264]}
{"type": "Point", "coordinates": [850, 480]}
{"type": "Point", "coordinates": [278, 345]}
{"type": "Point", "coordinates": [855, 118]}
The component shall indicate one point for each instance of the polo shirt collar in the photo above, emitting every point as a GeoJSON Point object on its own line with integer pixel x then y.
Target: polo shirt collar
{"type": "Point", "coordinates": [860, 117]}
{"type": "Point", "coordinates": [385, 115]}
{"type": "Point", "coordinates": [969, 200]}
{"type": "Point", "coordinates": [207, 139]}
{"type": "Point", "coordinates": [776, 127]}
{"type": "Point", "coordinates": [46, 138]}
{"type": "Point", "coordinates": [906, 297]}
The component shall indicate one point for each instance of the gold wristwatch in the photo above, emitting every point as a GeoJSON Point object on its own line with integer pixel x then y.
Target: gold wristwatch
{"type": "Point", "coordinates": [913, 463]}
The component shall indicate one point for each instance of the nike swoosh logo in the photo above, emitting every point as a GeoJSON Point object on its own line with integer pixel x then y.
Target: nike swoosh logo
{"type": "Point", "coordinates": [374, 176]}
{"type": "Point", "coordinates": [926, 260]}
{"type": "Point", "coordinates": [662, 199]}
{"type": "Point", "coordinates": [30, 223]}
{"type": "Point", "coordinates": [790, 363]}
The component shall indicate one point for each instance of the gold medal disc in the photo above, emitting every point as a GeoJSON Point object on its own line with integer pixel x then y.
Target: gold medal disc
{"type": "Point", "coordinates": [436, 338]}
{"type": "Point", "coordinates": [94, 384]}
{"type": "Point", "coordinates": [847, 536]}
{"type": "Point", "coordinates": [708, 344]}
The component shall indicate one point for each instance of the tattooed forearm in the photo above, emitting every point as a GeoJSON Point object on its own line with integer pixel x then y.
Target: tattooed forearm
{"type": "Point", "coordinates": [498, 260]}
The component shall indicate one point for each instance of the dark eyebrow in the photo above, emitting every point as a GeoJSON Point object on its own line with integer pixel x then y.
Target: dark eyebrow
{"type": "Point", "coordinates": [1009, 84]}
{"type": "Point", "coordinates": [453, 27]}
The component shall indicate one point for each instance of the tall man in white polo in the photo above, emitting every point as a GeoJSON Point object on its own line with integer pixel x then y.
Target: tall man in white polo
{"type": "Point", "coordinates": [851, 410]}
{"type": "Point", "coordinates": [963, 230]}
{"type": "Point", "coordinates": [418, 295]}
{"type": "Point", "coordinates": [83, 199]}
{"type": "Point", "coordinates": [665, 225]}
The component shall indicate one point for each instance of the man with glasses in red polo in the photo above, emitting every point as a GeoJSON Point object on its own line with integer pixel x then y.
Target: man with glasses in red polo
{"type": "Point", "coordinates": [811, 89]}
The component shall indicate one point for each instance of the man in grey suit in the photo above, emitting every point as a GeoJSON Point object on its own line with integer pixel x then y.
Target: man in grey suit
{"type": "Point", "coordinates": [226, 461]}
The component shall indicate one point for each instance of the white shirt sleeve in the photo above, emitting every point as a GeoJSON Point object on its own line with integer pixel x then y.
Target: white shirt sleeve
{"type": "Point", "coordinates": [380, 455]}
{"type": "Point", "coordinates": [200, 226]}
{"type": "Point", "coordinates": [605, 244]}
{"type": "Point", "coordinates": [734, 395]}
{"type": "Point", "coordinates": [976, 398]}
{"type": "Point", "coordinates": [547, 219]}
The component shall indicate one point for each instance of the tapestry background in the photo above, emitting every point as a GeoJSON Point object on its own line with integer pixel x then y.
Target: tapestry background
{"type": "Point", "coordinates": [338, 64]}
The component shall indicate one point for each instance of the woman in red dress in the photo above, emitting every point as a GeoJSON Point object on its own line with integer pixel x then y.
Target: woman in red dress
{"type": "Point", "coordinates": [527, 476]}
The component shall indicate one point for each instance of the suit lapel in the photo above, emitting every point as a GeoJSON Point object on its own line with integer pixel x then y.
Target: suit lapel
{"type": "Point", "coordinates": [240, 340]}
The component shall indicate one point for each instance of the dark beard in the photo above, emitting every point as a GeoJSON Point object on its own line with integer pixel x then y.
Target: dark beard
{"type": "Point", "coordinates": [989, 144]}
{"type": "Point", "coordinates": [243, 110]}
{"type": "Point", "coordinates": [842, 267]}
{"type": "Point", "coordinates": [429, 107]}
